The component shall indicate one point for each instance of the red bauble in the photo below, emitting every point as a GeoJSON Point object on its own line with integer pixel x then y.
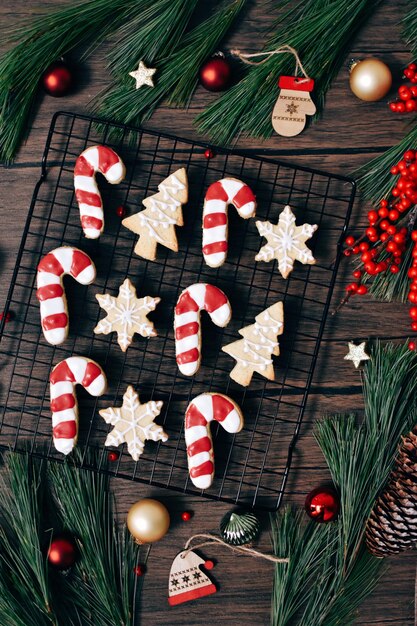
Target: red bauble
{"type": "Point", "coordinates": [215, 74]}
{"type": "Point", "coordinates": [58, 79]}
{"type": "Point", "coordinates": [322, 504]}
{"type": "Point", "coordinates": [62, 553]}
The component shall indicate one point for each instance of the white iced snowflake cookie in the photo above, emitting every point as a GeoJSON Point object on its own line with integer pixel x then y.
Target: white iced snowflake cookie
{"type": "Point", "coordinates": [126, 315]}
{"type": "Point", "coordinates": [286, 242]}
{"type": "Point", "coordinates": [133, 423]}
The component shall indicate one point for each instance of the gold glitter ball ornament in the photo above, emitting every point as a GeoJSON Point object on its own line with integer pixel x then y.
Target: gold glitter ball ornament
{"type": "Point", "coordinates": [370, 79]}
{"type": "Point", "coordinates": [148, 520]}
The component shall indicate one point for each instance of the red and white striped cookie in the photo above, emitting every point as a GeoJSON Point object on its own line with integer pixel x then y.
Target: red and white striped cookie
{"type": "Point", "coordinates": [200, 412]}
{"type": "Point", "coordinates": [75, 370]}
{"type": "Point", "coordinates": [195, 298]}
{"type": "Point", "coordinates": [215, 225]}
{"type": "Point", "coordinates": [95, 159]}
{"type": "Point", "coordinates": [50, 293]}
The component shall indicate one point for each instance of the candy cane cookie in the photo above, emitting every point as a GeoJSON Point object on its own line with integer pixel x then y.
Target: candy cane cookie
{"type": "Point", "coordinates": [195, 298]}
{"type": "Point", "coordinates": [95, 159]}
{"type": "Point", "coordinates": [200, 412]}
{"type": "Point", "coordinates": [215, 224]}
{"type": "Point", "coordinates": [75, 370]}
{"type": "Point", "coordinates": [50, 288]}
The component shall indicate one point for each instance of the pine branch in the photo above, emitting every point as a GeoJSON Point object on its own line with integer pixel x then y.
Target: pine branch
{"type": "Point", "coordinates": [330, 572]}
{"type": "Point", "coordinates": [153, 32]}
{"type": "Point", "coordinates": [107, 556]}
{"type": "Point", "coordinates": [177, 74]}
{"type": "Point", "coordinates": [42, 42]}
{"type": "Point", "coordinates": [26, 587]}
{"type": "Point", "coordinates": [322, 33]}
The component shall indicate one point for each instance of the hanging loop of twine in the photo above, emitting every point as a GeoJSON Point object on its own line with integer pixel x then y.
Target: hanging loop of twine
{"type": "Point", "coordinates": [281, 50]}
{"type": "Point", "coordinates": [210, 539]}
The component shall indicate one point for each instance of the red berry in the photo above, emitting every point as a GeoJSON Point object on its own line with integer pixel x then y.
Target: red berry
{"type": "Point", "coordinates": [370, 268]}
{"type": "Point", "coordinates": [410, 106]}
{"type": "Point", "coordinates": [394, 269]}
{"type": "Point", "coordinates": [113, 456]}
{"type": "Point", "coordinates": [400, 107]}
{"type": "Point", "coordinates": [413, 286]}
{"type": "Point", "coordinates": [209, 565]}
{"type": "Point", "coordinates": [391, 230]}
{"type": "Point", "coordinates": [413, 325]}
{"type": "Point", "coordinates": [357, 274]}
{"type": "Point", "coordinates": [404, 92]}
{"type": "Point", "coordinates": [412, 67]}
{"type": "Point", "coordinates": [347, 252]}
{"type": "Point", "coordinates": [366, 257]}
{"type": "Point", "coordinates": [9, 316]}
{"type": "Point", "coordinates": [186, 516]}
{"type": "Point", "coordinates": [384, 224]}
{"type": "Point", "coordinates": [372, 216]}
{"type": "Point", "coordinates": [209, 154]}
{"type": "Point", "coordinates": [120, 211]}
{"type": "Point", "coordinates": [412, 272]}
{"type": "Point", "coordinates": [371, 232]}
{"type": "Point", "coordinates": [139, 570]}
{"type": "Point", "coordinates": [412, 296]}
{"type": "Point", "coordinates": [383, 211]}
{"type": "Point", "coordinates": [413, 312]}
{"type": "Point", "coordinates": [393, 107]}
{"type": "Point", "coordinates": [364, 246]}
{"type": "Point", "coordinates": [384, 237]}
{"type": "Point", "coordinates": [394, 170]}
{"type": "Point", "coordinates": [414, 235]}
{"type": "Point", "coordinates": [349, 241]}
{"type": "Point", "coordinates": [399, 238]}
{"type": "Point", "coordinates": [408, 73]}
{"type": "Point", "coordinates": [362, 290]}
{"type": "Point", "coordinates": [352, 287]}
{"type": "Point", "coordinates": [394, 215]}
{"type": "Point", "coordinates": [411, 345]}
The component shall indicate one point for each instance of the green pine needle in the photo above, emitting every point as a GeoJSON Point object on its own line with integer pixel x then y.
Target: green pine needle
{"type": "Point", "coordinates": [41, 42]}
{"type": "Point", "coordinates": [330, 572]}
{"type": "Point", "coordinates": [177, 73]}
{"type": "Point", "coordinates": [321, 32]}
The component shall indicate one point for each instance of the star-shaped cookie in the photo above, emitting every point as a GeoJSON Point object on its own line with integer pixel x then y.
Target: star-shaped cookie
{"type": "Point", "coordinates": [126, 315]}
{"type": "Point", "coordinates": [133, 423]}
{"type": "Point", "coordinates": [286, 242]}
{"type": "Point", "coordinates": [357, 353]}
{"type": "Point", "coordinates": [143, 75]}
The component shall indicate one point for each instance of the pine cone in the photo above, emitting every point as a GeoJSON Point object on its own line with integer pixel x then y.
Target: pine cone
{"type": "Point", "coordinates": [392, 525]}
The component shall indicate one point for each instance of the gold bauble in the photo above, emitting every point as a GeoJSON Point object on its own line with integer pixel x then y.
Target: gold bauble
{"type": "Point", "coordinates": [148, 520]}
{"type": "Point", "coordinates": [370, 79]}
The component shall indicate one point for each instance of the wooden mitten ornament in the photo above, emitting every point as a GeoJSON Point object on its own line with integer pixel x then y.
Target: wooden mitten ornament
{"type": "Point", "coordinates": [293, 105]}
{"type": "Point", "coordinates": [186, 579]}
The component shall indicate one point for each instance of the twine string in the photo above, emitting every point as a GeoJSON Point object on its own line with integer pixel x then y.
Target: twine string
{"type": "Point", "coordinates": [210, 539]}
{"type": "Point", "coordinates": [268, 54]}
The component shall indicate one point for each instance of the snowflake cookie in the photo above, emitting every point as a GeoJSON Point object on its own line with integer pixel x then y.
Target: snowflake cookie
{"type": "Point", "coordinates": [126, 315]}
{"type": "Point", "coordinates": [286, 242]}
{"type": "Point", "coordinates": [133, 423]}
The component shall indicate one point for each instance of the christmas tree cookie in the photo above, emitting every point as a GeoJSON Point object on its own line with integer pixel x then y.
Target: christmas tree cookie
{"type": "Point", "coordinates": [163, 211]}
{"type": "Point", "coordinates": [286, 242]}
{"type": "Point", "coordinates": [253, 352]}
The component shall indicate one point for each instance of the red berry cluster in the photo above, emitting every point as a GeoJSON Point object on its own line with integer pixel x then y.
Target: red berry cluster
{"type": "Point", "coordinates": [383, 245]}
{"type": "Point", "coordinates": [407, 102]}
{"type": "Point", "coordinates": [412, 294]}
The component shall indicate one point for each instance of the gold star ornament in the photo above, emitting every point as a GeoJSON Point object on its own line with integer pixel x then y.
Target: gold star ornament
{"type": "Point", "coordinates": [133, 423]}
{"type": "Point", "coordinates": [126, 315]}
{"type": "Point", "coordinates": [143, 75]}
{"type": "Point", "coordinates": [357, 353]}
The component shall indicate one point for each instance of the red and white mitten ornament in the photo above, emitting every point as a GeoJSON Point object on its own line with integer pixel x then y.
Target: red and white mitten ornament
{"type": "Point", "coordinates": [186, 579]}
{"type": "Point", "coordinates": [293, 105]}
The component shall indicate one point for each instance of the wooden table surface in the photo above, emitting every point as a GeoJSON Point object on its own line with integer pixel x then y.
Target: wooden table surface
{"type": "Point", "coordinates": [349, 134]}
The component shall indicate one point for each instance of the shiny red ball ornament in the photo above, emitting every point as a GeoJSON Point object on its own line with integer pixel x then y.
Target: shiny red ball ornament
{"type": "Point", "coordinates": [322, 504]}
{"type": "Point", "coordinates": [139, 570]}
{"type": "Point", "coordinates": [186, 516]}
{"type": "Point", "coordinates": [215, 74]}
{"type": "Point", "coordinates": [62, 553]}
{"type": "Point", "coordinates": [113, 456]}
{"type": "Point", "coordinates": [58, 79]}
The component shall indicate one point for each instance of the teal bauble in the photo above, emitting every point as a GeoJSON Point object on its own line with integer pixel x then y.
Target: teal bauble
{"type": "Point", "coordinates": [237, 529]}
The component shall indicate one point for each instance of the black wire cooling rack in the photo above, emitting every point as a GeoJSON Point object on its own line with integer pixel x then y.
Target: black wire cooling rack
{"type": "Point", "coordinates": [252, 467]}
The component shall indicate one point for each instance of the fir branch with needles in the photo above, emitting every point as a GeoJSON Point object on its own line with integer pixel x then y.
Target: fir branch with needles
{"type": "Point", "coordinates": [177, 74]}
{"type": "Point", "coordinates": [330, 573]}
{"type": "Point", "coordinates": [101, 587]}
{"type": "Point", "coordinates": [41, 42]}
{"type": "Point", "coordinates": [321, 32]}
